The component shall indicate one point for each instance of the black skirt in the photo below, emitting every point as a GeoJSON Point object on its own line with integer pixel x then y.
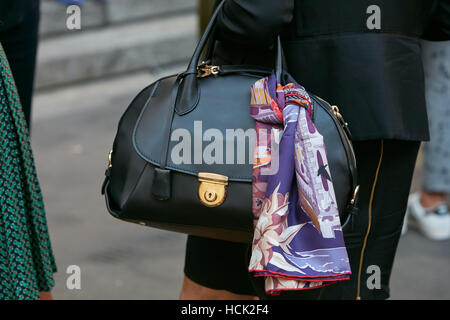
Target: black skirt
{"type": "Point", "coordinates": [385, 169]}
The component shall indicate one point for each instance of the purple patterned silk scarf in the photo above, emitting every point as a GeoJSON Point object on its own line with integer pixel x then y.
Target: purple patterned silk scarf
{"type": "Point", "coordinates": [298, 242]}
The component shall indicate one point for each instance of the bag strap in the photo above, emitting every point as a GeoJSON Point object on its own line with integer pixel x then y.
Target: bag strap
{"type": "Point", "coordinates": [188, 93]}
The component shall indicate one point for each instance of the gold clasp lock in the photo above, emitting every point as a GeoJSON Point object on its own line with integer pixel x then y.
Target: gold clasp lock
{"type": "Point", "coordinates": [213, 188]}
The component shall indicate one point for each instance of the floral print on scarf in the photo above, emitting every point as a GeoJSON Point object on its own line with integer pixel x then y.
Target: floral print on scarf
{"type": "Point", "coordinates": [298, 242]}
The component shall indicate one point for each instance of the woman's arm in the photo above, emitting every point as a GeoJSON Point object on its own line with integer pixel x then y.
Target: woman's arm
{"type": "Point", "coordinates": [253, 23]}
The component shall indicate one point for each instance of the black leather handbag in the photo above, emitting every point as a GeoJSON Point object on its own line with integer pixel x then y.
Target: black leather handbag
{"type": "Point", "coordinates": [145, 185]}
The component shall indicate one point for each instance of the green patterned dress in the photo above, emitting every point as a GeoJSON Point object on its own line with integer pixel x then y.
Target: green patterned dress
{"type": "Point", "coordinates": [26, 258]}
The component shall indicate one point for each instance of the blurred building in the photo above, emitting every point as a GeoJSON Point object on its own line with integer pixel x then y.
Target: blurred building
{"type": "Point", "coordinates": [116, 37]}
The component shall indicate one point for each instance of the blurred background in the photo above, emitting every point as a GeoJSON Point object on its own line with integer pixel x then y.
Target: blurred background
{"type": "Point", "coordinates": [85, 80]}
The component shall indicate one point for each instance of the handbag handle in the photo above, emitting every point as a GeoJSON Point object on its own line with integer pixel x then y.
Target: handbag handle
{"type": "Point", "coordinates": [208, 33]}
{"type": "Point", "coordinates": [188, 93]}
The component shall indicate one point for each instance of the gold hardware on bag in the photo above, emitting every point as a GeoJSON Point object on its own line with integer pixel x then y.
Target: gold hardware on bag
{"type": "Point", "coordinates": [207, 70]}
{"type": "Point", "coordinates": [355, 193]}
{"type": "Point", "coordinates": [213, 188]}
{"type": "Point", "coordinates": [110, 159]}
{"type": "Point", "coordinates": [338, 115]}
{"type": "Point", "coordinates": [336, 112]}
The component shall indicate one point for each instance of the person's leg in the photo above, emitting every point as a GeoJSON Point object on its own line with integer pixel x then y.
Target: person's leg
{"type": "Point", "coordinates": [388, 203]}
{"type": "Point", "coordinates": [436, 182]}
{"type": "Point", "coordinates": [215, 269]}
{"type": "Point", "coordinates": [45, 295]}
{"type": "Point", "coordinates": [194, 291]}
{"type": "Point", "coordinates": [385, 170]}
{"type": "Point", "coordinates": [427, 210]}
{"type": "Point", "coordinates": [20, 45]}
{"type": "Point", "coordinates": [430, 200]}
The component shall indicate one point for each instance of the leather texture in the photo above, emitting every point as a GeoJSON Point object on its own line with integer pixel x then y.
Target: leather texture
{"type": "Point", "coordinates": [145, 186]}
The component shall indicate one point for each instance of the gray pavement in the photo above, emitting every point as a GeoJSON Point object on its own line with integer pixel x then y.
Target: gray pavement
{"type": "Point", "coordinates": [72, 132]}
{"type": "Point", "coordinates": [118, 49]}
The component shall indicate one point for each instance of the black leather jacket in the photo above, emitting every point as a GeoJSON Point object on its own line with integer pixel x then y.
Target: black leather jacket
{"type": "Point", "coordinates": [374, 75]}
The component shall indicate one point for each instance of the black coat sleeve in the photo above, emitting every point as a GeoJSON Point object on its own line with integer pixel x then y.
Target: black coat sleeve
{"type": "Point", "coordinates": [439, 26]}
{"type": "Point", "coordinates": [253, 23]}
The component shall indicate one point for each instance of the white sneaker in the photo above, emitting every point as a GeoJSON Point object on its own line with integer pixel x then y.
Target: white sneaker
{"type": "Point", "coordinates": [434, 224]}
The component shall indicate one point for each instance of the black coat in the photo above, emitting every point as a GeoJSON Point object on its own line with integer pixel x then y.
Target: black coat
{"type": "Point", "coordinates": [13, 12]}
{"type": "Point", "coordinates": [375, 76]}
